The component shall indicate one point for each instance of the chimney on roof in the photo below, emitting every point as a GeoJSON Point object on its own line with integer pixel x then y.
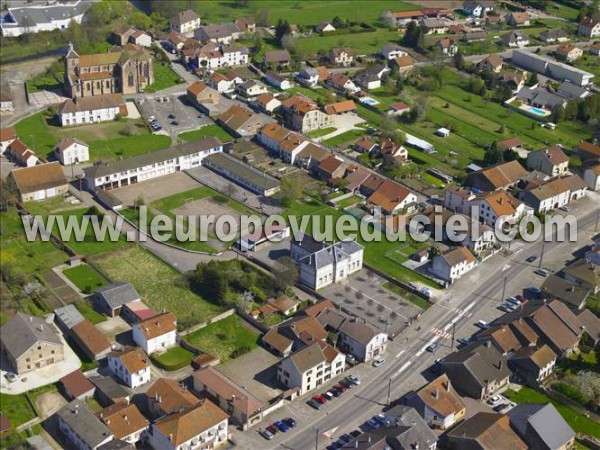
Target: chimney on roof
{"type": "Point", "coordinates": [436, 394]}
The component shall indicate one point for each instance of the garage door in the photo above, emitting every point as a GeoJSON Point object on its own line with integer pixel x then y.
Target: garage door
{"type": "Point", "coordinates": [51, 192]}
{"type": "Point", "coordinates": [39, 195]}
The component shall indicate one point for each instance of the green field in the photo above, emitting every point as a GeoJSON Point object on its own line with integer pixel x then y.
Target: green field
{"type": "Point", "coordinates": [47, 82]}
{"type": "Point", "coordinates": [164, 78]}
{"type": "Point", "coordinates": [207, 131]}
{"type": "Point", "coordinates": [577, 421]}
{"type": "Point", "coordinates": [223, 338]}
{"type": "Point", "coordinates": [159, 285]}
{"type": "Point", "coordinates": [106, 140]}
{"type": "Point", "coordinates": [85, 278]}
{"type": "Point", "coordinates": [362, 43]}
{"type": "Point", "coordinates": [349, 137]}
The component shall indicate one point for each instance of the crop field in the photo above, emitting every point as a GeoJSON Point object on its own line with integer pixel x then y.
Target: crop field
{"type": "Point", "coordinates": [158, 284]}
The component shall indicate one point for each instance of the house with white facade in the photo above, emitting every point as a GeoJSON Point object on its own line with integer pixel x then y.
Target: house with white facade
{"type": "Point", "coordinates": [185, 22]}
{"type": "Point", "coordinates": [391, 51]}
{"type": "Point", "coordinates": [589, 27]}
{"type": "Point", "coordinates": [38, 182]}
{"type": "Point", "coordinates": [156, 334]}
{"type": "Point", "coordinates": [42, 17]}
{"type": "Point", "coordinates": [499, 206]}
{"type": "Point", "coordinates": [310, 367]}
{"type": "Point", "coordinates": [224, 82]}
{"type": "Point", "coordinates": [81, 428]}
{"type": "Point", "coordinates": [131, 366]}
{"type": "Point", "coordinates": [251, 89]}
{"type": "Point", "coordinates": [438, 403]}
{"type": "Point", "coordinates": [331, 264]}
{"type": "Point", "coordinates": [308, 77]}
{"type": "Point", "coordinates": [551, 161]}
{"type": "Point", "coordinates": [533, 364]}
{"type": "Point", "coordinates": [341, 56]}
{"type": "Point", "coordinates": [555, 193]}
{"type": "Point", "coordinates": [203, 426]}
{"type": "Point", "coordinates": [478, 8]}
{"type": "Point", "coordinates": [7, 136]}
{"type": "Point", "coordinates": [214, 56]}
{"type": "Point", "coordinates": [125, 421]}
{"type": "Point", "coordinates": [106, 176]}
{"type": "Point", "coordinates": [266, 103]}
{"type": "Point", "coordinates": [18, 152]}
{"type": "Point", "coordinates": [453, 264]}
{"type": "Point", "coordinates": [276, 80]}
{"type": "Point", "coordinates": [86, 110]}
{"type": "Point", "coordinates": [342, 84]}
{"type": "Point", "coordinates": [72, 151]}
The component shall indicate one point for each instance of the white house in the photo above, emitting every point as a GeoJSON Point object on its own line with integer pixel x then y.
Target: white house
{"type": "Point", "coordinates": [555, 193]}
{"type": "Point", "coordinates": [224, 82]}
{"type": "Point", "coordinates": [134, 169]}
{"type": "Point", "coordinates": [138, 37]}
{"type": "Point", "coordinates": [130, 366]}
{"type": "Point", "coordinates": [42, 17]}
{"type": "Point", "coordinates": [252, 88]}
{"type": "Point", "coordinates": [342, 83]}
{"type": "Point", "coordinates": [391, 51]}
{"type": "Point", "coordinates": [310, 367]}
{"type": "Point", "coordinates": [308, 77]}
{"type": "Point", "coordinates": [7, 137]}
{"type": "Point", "coordinates": [186, 22]}
{"type": "Point", "coordinates": [478, 8]}
{"type": "Point", "coordinates": [331, 264]}
{"type": "Point", "coordinates": [278, 81]}
{"type": "Point", "coordinates": [447, 47]}
{"type": "Point", "coordinates": [589, 27]}
{"type": "Point", "coordinates": [125, 421]}
{"type": "Point", "coordinates": [71, 151]}
{"type": "Point", "coordinates": [341, 56]}
{"type": "Point", "coordinates": [86, 110]}
{"type": "Point", "coordinates": [591, 176]}
{"type": "Point", "coordinates": [156, 334]}
{"type": "Point", "coordinates": [214, 56]}
{"type": "Point", "coordinates": [266, 103]}
{"type": "Point", "coordinates": [203, 426]}
{"type": "Point", "coordinates": [38, 182]}
{"type": "Point", "coordinates": [453, 264]}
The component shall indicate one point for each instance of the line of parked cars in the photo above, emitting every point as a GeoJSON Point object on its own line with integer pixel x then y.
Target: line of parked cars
{"type": "Point", "coordinates": [278, 426]}
{"type": "Point", "coordinates": [154, 124]}
{"type": "Point", "coordinates": [512, 303]}
{"type": "Point", "coordinates": [318, 400]}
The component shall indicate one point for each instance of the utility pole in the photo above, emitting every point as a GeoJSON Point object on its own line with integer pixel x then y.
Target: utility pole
{"type": "Point", "coordinates": [317, 440]}
{"type": "Point", "coordinates": [389, 390]}
{"type": "Point", "coordinates": [542, 255]}
{"type": "Point", "coordinates": [503, 289]}
{"type": "Point", "coordinates": [454, 334]}
{"type": "Point", "coordinates": [597, 221]}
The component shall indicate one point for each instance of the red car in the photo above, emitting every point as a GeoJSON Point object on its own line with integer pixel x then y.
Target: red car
{"type": "Point", "coordinates": [320, 399]}
{"type": "Point", "coordinates": [520, 298]}
{"type": "Point", "coordinates": [341, 388]}
{"type": "Point", "coordinates": [273, 429]}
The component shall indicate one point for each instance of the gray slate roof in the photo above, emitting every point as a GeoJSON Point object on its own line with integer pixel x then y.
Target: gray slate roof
{"type": "Point", "coordinates": [412, 429]}
{"type": "Point", "coordinates": [24, 331]}
{"type": "Point", "coordinates": [69, 315]}
{"type": "Point", "coordinates": [103, 169]}
{"type": "Point", "coordinates": [544, 421]}
{"type": "Point", "coordinates": [481, 360]}
{"type": "Point", "coordinates": [335, 252]}
{"type": "Point", "coordinates": [309, 243]}
{"type": "Point", "coordinates": [117, 294]}
{"type": "Point", "coordinates": [37, 16]}
{"type": "Point", "coordinates": [80, 418]}
{"type": "Point", "coordinates": [221, 30]}
{"type": "Point", "coordinates": [570, 91]}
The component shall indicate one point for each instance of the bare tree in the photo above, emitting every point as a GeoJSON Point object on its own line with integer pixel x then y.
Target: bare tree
{"type": "Point", "coordinates": [387, 18]}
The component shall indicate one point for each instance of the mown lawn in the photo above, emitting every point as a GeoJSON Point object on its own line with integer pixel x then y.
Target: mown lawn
{"type": "Point", "coordinates": [207, 131]}
{"type": "Point", "coordinates": [224, 338]}
{"type": "Point", "coordinates": [414, 299]}
{"type": "Point", "coordinates": [89, 313]}
{"type": "Point", "coordinates": [106, 140]}
{"type": "Point", "coordinates": [85, 278]}
{"type": "Point", "coordinates": [160, 286]}
{"type": "Point", "coordinates": [164, 78]}
{"type": "Point", "coordinates": [362, 43]}
{"type": "Point", "coordinates": [345, 138]}
{"type": "Point", "coordinates": [174, 358]}
{"type": "Point", "coordinates": [577, 421]}
{"type": "Point", "coordinates": [45, 82]}
{"type": "Point", "coordinates": [321, 132]}
{"type": "Point", "coordinates": [17, 409]}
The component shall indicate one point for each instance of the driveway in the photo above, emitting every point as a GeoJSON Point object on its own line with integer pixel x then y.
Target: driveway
{"type": "Point", "coordinates": [113, 327]}
{"type": "Point", "coordinates": [160, 187]}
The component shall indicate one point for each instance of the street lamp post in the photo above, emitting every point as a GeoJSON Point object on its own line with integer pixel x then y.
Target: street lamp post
{"type": "Point", "coordinates": [389, 390]}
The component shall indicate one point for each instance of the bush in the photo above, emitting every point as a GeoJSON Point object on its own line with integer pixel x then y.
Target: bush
{"type": "Point", "coordinates": [568, 390]}
{"type": "Point", "coordinates": [240, 351]}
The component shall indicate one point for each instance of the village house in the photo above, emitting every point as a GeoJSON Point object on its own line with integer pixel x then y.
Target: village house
{"type": "Point", "coordinates": [515, 82]}
{"type": "Point", "coordinates": [391, 51]}
{"type": "Point", "coordinates": [518, 19]}
{"type": "Point", "coordinates": [447, 47]}
{"type": "Point", "coordinates": [492, 63]}
{"type": "Point", "coordinates": [224, 82]}
{"type": "Point", "coordinates": [156, 334]}
{"type": "Point", "coordinates": [274, 58]}
{"type": "Point", "coordinates": [7, 136]}
{"type": "Point", "coordinates": [266, 103]}
{"type": "Point", "coordinates": [215, 56]}
{"type": "Point", "coordinates": [515, 38]}
{"type": "Point", "coordinates": [453, 264]}
{"type": "Point", "coordinates": [554, 194]}
{"type": "Point", "coordinates": [168, 396]}
{"type": "Point", "coordinates": [398, 109]}
{"type": "Point", "coordinates": [223, 33]}
{"type": "Point", "coordinates": [204, 425]}
{"type": "Point", "coordinates": [108, 391]}
{"type": "Point", "coordinates": [332, 169]}
{"type": "Point", "coordinates": [106, 176]}
{"type": "Point", "coordinates": [554, 35]}
{"type": "Point", "coordinates": [343, 107]}
{"type": "Point", "coordinates": [130, 366]}
{"type": "Point", "coordinates": [324, 27]}
{"type": "Point", "coordinates": [251, 89]}
{"type": "Point", "coordinates": [541, 426]}
{"type": "Point", "coordinates": [18, 152]}
{"type": "Point", "coordinates": [340, 56]}
{"type": "Point", "coordinates": [365, 145]}
{"type": "Point", "coordinates": [370, 78]}
{"type": "Point", "coordinates": [124, 34]}
{"type": "Point", "coordinates": [591, 175]}
{"type": "Point", "coordinates": [492, 207]}
{"type": "Point", "coordinates": [283, 304]}
{"type": "Point", "coordinates": [551, 161]}
{"type": "Point", "coordinates": [514, 143]}
{"type": "Point", "coordinates": [438, 403]}
{"type": "Point", "coordinates": [72, 151]}
{"type": "Point", "coordinates": [38, 182]}
{"type": "Point", "coordinates": [125, 421]}
{"type": "Point", "coordinates": [499, 176]}
{"type": "Point", "coordinates": [391, 197]}
{"type": "Point", "coordinates": [244, 409]}
{"type": "Point", "coordinates": [276, 80]}
{"type": "Point", "coordinates": [484, 431]}
{"type": "Point", "coordinates": [478, 8]}
{"type": "Point", "coordinates": [205, 99]}
{"type": "Point", "coordinates": [241, 122]}
{"type": "Point", "coordinates": [176, 41]}
{"type": "Point", "coordinates": [503, 337]}
{"type": "Point", "coordinates": [293, 334]}
{"type": "Point", "coordinates": [91, 341]}
{"type": "Point", "coordinates": [404, 63]}
{"type": "Point", "coordinates": [478, 370]}
{"type": "Point", "coordinates": [342, 83]}
{"type": "Point", "coordinates": [7, 105]}
{"type": "Point", "coordinates": [310, 367]}
{"type": "Point", "coordinates": [434, 26]}
{"type": "Point", "coordinates": [533, 364]}
{"type": "Point", "coordinates": [185, 22]}
{"type": "Point", "coordinates": [246, 24]}
{"type": "Point", "coordinates": [583, 273]}
{"type": "Point", "coordinates": [82, 110]}
{"type": "Point", "coordinates": [302, 114]}
{"type": "Point", "coordinates": [81, 428]}
{"type": "Point", "coordinates": [110, 299]}
{"type": "Point", "coordinates": [30, 343]}
{"type": "Point", "coordinates": [568, 52]}
{"type": "Point", "coordinates": [573, 295]}
{"type": "Point", "coordinates": [594, 49]}
{"type": "Point", "coordinates": [76, 386]}
{"type": "Point", "coordinates": [126, 71]}
{"type": "Point", "coordinates": [308, 76]}
{"type": "Point", "coordinates": [589, 27]}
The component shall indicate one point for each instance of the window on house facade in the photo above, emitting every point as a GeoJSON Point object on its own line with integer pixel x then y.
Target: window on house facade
{"type": "Point", "coordinates": [130, 79]}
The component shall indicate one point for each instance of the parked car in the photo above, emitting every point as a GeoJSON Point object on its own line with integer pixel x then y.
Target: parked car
{"type": "Point", "coordinates": [335, 392]}
{"type": "Point", "coordinates": [374, 423]}
{"type": "Point", "coordinates": [494, 400]}
{"type": "Point", "coordinates": [378, 362]}
{"type": "Point", "coordinates": [355, 433]}
{"type": "Point", "coordinates": [290, 422]}
{"type": "Point", "coordinates": [432, 347]}
{"type": "Point", "coordinates": [514, 301]}
{"type": "Point", "coordinates": [565, 208]}
{"type": "Point", "coordinates": [266, 434]}
{"type": "Point", "coordinates": [281, 426]}
{"type": "Point", "coordinates": [520, 298]}
{"type": "Point", "coordinates": [345, 438]}
{"type": "Point", "coordinates": [483, 324]}
{"type": "Point", "coordinates": [320, 399]}
{"type": "Point", "coordinates": [351, 359]}
{"type": "Point", "coordinates": [500, 407]}
{"type": "Point", "coordinates": [328, 395]}
{"type": "Point", "coordinates": [171, 116]}
{"type": "Point", "coordinates": [354, 379]}
{"type": "Point", "coordinates": [333, 446]}
{"type": "Point", "coordinates": [340, 387]}
{"type": "Point", "coordinates": [542, 272]}
{"type": "Point", "coordinates": [382, 419]}
{"type": "Point", "coordinates": [463, 341]}
{"type": "Point", "coordinates": [273, 429]}
{"type": "Point", "coordinates": [531, 259]}
{"type": "Point", "coordinates": [346, 383]}
{"type": "Point", "coordinates": [535, 290]}
{"type": "Point", "coordinates": [315, 404]}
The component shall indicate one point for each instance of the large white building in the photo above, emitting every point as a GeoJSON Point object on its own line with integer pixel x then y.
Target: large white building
{"type": "Point", "coordinates": [106, 176]}
{"type": "Point", "coordinates": [86, 110]}
{"type": "Point", "coordinates": [36, 18]}
{"type": "Point", "coordinates": [214, 56]}
{"type": "Point", "coordinates": [130, 366]}
{"type": "Point", "coordinates": [331, 264]}
{"type": "Point", "coordinates": [156, 334]}
{"type": "Point", "coordinates": [549, 67]}
{"type": "Point", "coordinates": [311, 367]}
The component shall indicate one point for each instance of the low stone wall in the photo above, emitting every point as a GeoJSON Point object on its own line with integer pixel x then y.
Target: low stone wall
{"type": "Point", "coordinates": [214, 319]}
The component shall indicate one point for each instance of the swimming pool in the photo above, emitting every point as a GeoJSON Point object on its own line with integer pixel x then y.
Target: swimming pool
{"type": "Point", "coordinates": [369, 101]}
{"type": "Point", "coordinates": [539, 112]}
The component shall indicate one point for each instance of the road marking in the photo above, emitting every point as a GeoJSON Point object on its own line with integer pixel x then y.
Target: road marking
{"type": "Point", "coordinates": [401, 351]}
{"type": "Point", "coordinates": [441, 333]}
{"type": "Point", "coordinates": [506, 267]}
{"type": "Point", "coordinates": [404, 367]}
{"type": "Point", "coordinates": [424, 348]}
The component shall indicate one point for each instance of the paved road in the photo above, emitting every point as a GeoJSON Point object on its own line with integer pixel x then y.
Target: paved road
{"type": "Point", "coordinates": [464, 303]}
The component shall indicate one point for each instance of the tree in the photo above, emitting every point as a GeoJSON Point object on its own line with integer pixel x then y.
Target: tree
{"type": "Point", "coordinates": [290, 43]}
{"type": "Point", "coordinates": [257, 44]}
{"type": "Point", "coordinates": [339, 22]}
{"type": "Point", "coordinates": [291, 190]}
{"type": "Point", "coordinates": [493, 154]}
{"type": "Point", "coordinates": [286, 273]}
{"type": "Point", "coordinates": [413, 35]}
{"type": "Point", "coordinates": [459, 60]}
{"type": "Point", "coordinates": [387, 18]}
{"type": "Point", "coordinates": [558, 114]}
{"type": "Point", "coordinates": [281, 29]}
{"type": "Point", "coordinates": [140, 20]}
{"type": "Point", "coordinates": [262, 18]}
{"type": "Point", "coordinates": [532, 80]}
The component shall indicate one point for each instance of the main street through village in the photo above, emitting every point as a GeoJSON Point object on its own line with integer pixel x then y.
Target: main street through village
{"type": "Point", "coordinates": [472, 298]}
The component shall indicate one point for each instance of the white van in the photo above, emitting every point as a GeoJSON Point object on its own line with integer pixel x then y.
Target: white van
{"type": "Point", "coordinates": [483, 324]}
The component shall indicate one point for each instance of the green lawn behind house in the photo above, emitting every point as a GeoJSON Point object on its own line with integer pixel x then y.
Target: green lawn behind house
{"type": "Point", "coordinates": [321, 132]}
{"type": "Point", "coordinates": [85, 278]}
{"type": "Point", "coordinates": [164, 78]}
{"type": "Point", "coordinates": [212, 130]}
{"type": "Point", "coordinates": [89, 313]}
{"type": "Point", "coordinates": [174, 358]}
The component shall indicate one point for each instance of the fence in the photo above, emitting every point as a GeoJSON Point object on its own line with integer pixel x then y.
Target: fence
{"type": "Point", "coordinates": [263, 328]}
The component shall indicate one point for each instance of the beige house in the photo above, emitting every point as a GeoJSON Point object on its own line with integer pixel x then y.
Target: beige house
{"type": "Point", "coordinates": [341, 56]}
{"type": "Point", "coordinates": [589, 27]}
{"type": "Point", "coordinates": [29, 343]}
{"type": "Point", "coordinates": [38, 182]}
{"type": "Point", "coordinates": [568, 52]}
{"type": "Point", "coordinates": [551, 161]}
{"type": "Point", "coordinates": [302, 114]}
{"type": "Point", "coordinates": [186, 22]}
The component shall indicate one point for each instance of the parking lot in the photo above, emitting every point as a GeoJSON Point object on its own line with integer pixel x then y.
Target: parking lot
{"type": "Point", "coordinates": [364, 296]}
{"type": "Point", "coordinates": [173, 112]}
